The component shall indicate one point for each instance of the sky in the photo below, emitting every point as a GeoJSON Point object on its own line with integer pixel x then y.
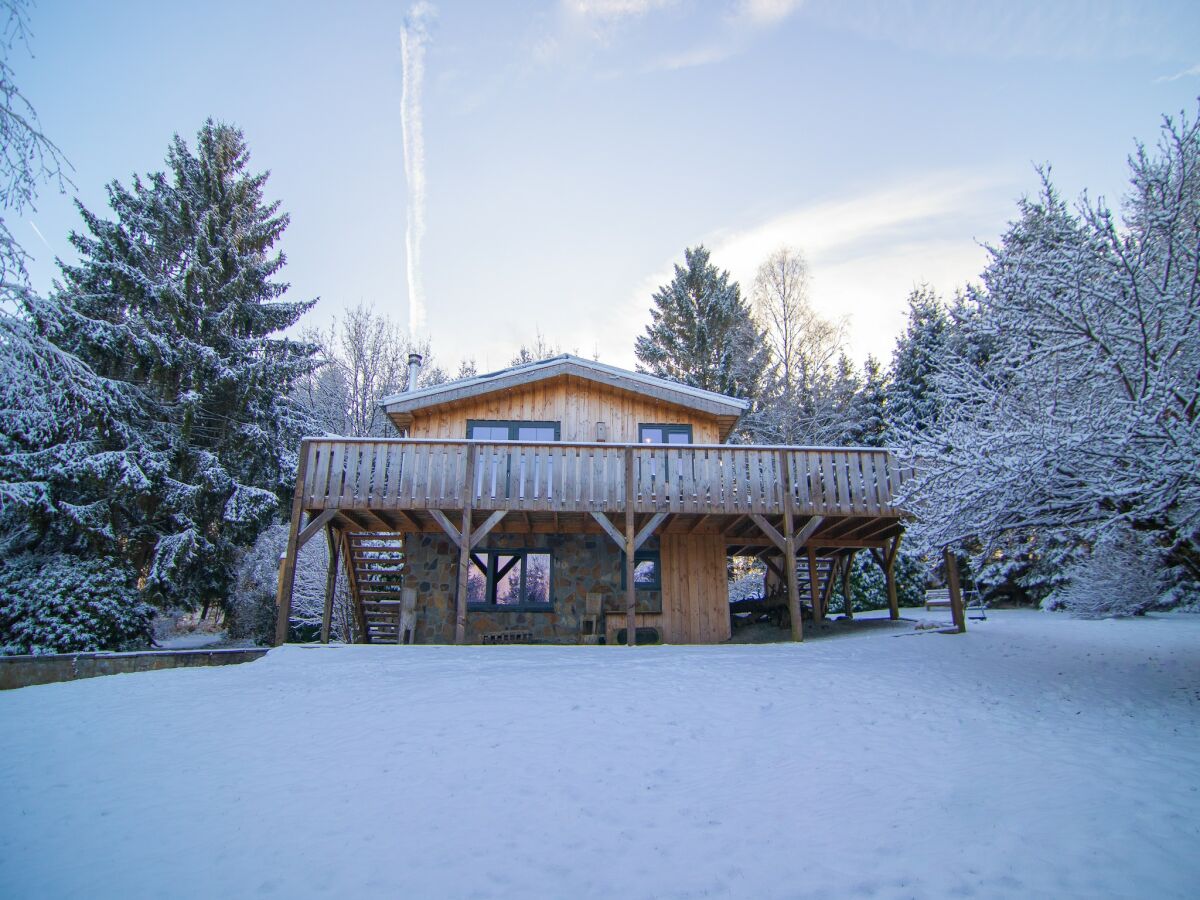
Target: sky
{"type": "Point", "coordinates": [489, 171]}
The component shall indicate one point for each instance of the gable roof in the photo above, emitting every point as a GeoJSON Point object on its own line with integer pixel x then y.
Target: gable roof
{"type": "Point", "coordinates": [400, 407]}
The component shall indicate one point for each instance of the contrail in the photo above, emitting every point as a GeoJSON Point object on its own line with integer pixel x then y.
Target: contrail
{"type": "Point", "coordinates": [414, 37]}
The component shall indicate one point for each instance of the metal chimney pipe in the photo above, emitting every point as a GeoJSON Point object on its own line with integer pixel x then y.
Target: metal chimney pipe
{"type": "Point", "coordinates": [414, 370]}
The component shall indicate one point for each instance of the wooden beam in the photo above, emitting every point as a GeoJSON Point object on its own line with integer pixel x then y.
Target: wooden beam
{"type": "Point", "coordinates": [447, 526]}
{"type": "Point", "coordinates": [610, 529]}
{"type": "Point", "coordinates": [700, 520]}
{"type": "Point", "coordinates": [732, 526]}
{"type": "Point", "coordinates": [890, 574]}
{"type": "Point", "coordinates": [789, 554]}
{"type": "Point", "coordinates": [769, 530]}
{"type": "Point", "coordinates": [847, 571]}
{"type": "Point", "coordinates": [952, 582]}
{"type": "Point", "coordinates": [774, 567]}
{"type": "Point", "coordinates": [482, 531]}
{"type": "Point", "coordinates": [356, 520]}
{"type": "Point", "coordinates": [464, 555]}
{"type": "Point", "coordinates": [313, 526]}
{"type": "Point", "coordinates": [381, 524]}
{"type": "Point", "coordinates": [630, 549]}
{"type": "Point", "coordinates": [331, 539]}
{"type": "Point", "coordinates": [844, 544]}
{"type": "Point", "coordinates": [814, 589]}
{"type": "Point", "coordinates": [807, 531]}
{"type": "Point", "coordinates": [407, 522]}
{"type": "Point", "coordinates": [827, 594]}
{"type": "Point", "coordinates": [287, 570]}
{"type": "Point", "coordinates": [356, 608]}
{"type": "Point", "coordinates": [648, 529]}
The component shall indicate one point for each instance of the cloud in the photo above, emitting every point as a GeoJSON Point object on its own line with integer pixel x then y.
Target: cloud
{"type": "Point", "coordinates": [414, 38]}
{"type": "Point", "coordinates": [763, 13]}
{"type": "Point", "coordinates": [866, 252]}
{"type": "Point", "coordinates": [1186, 73]}
{"type": "Point", "coordinates": [613, 9]}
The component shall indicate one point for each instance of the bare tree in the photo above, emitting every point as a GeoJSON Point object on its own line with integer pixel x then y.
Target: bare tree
{"type": "Point", "coordinates": [806, 346]}
{"type": "Point", "coordinates": [27, 156]}
{"type": "Point", "coordinates": [538, 349]}
{"type": "Point", "coordinates": [366, 359]}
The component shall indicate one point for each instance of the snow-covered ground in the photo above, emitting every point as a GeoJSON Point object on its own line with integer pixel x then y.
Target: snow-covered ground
{"type": "Point", "coordinates": [1037, 756]}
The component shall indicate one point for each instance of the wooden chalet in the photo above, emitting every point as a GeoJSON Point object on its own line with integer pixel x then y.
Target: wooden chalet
{"type": "Point", "coordinates": [570, 501]}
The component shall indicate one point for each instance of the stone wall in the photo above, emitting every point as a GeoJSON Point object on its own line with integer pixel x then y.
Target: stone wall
{"type": "Point", "coordinates": [582, 564]}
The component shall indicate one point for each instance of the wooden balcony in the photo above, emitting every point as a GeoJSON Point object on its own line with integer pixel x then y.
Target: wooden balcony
{"type": "Point", "coordinates": [775, 503]}
{"type": "Point", "coordinates": [405, 475]}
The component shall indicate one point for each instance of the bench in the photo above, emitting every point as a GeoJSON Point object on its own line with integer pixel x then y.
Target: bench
{"type": "Point", "coordinates": [507, 637]}
{"type": "Point", "coordinates": [973, 602]}
{"type": "Point", "coordinates": [935, 597]}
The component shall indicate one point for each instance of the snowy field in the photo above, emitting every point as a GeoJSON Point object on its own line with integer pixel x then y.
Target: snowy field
{"type": "Point", "coordinates": [1037, 756]}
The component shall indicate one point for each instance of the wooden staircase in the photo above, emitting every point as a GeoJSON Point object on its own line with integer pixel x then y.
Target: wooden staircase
{"type": "Point", "coordinates": [375, 570]}
{"type": "Point", "coordinates": [829, 581]}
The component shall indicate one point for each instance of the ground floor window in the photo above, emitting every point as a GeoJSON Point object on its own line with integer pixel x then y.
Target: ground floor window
{"type": "Point", "coordinates": [647, 567]}
{"type": "Point", "coordinates": [509, 578]}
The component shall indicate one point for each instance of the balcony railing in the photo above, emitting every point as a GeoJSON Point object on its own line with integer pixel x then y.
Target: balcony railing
{"type": "Point", "coordinates": [404, 474]}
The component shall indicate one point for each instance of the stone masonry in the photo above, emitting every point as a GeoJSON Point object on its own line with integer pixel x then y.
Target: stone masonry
{"type": "Point", "coordinates": [581, 564]}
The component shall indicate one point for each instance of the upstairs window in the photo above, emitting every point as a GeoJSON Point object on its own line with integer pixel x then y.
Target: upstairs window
{"type": "Point", "coordinates": [539, 432]}
{"type": "Point", "coordinates": [664, 434]}
{"type": "Point", "coordinates": [509, 579]}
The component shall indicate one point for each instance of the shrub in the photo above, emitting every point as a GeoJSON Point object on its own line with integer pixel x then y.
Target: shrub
{"type": "Point", "coordinates": [60, 603]}
{"type": "Point", "coordinates": [1119, 577]}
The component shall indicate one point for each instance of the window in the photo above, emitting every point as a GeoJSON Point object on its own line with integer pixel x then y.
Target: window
{"type": "Point", "coordinates": [664, 434]}
{"type": "Point", "coordinates": [646, 571]}
{"type": "Point", "coordinates": [509, 579]}
{"type": "Point", "coordinates": [542, 432]}
{"type": "Point", "coordinates": [495, 476]}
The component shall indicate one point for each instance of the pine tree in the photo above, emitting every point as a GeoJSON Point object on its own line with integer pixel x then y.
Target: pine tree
{"type": "Point", "coordinates": [868, 409]}
{"type": "Point", "coordinates": [702, 333]}
{"type": "Point", "coordinates": [912, 396]}
{"type": "Point", "coordinates": [175, 301]}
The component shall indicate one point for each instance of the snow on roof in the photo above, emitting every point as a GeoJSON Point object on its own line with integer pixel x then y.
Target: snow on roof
{"type": "Point", "coordinates": [567, 364]}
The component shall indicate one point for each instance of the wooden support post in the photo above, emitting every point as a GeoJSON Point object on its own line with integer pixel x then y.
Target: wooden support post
{"type": "Point", "coordinates": [789, 555]}
{"type": "Point", "coordinates": [464, 551]}
{"type": "Point", "coordinates": [956, 603]}
{"type": "Point", "coordinates": [360, 618]}
{"type": "Point", "coordinates": [846, 573]}
{"type": "Point", "coordinates": [287, 570]}
{"type": "Point", "coordinates": [889, 572]}
{"type": "Point", "coordinates": [630, 548]}
{"type": "Point", "coordinates": [330, 583]}
{"type": "Point", "coordinates": [814, 589]}
{"type": "Point", "coordinates": [827, 593]}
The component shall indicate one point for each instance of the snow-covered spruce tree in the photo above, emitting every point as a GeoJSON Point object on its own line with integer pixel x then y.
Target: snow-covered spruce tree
{"type": "Point", "coordinates": [702, 334]}
{"type": "Point", "coordinates": [177, 299]}
{"type": "Point", "coordinates": [912, 396]}
{"type": "Point", "coordinates": [868, 418]}
{"type": "Point", "coordinates": [868, 584]}
{"type": "Point", "coordinates": [1084, 416]}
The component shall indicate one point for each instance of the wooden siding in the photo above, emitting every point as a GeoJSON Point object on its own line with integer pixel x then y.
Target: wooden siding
{"type": "Point", "coordinates": [694, 589]}
{"type": "Point", "coordinates": [575, 403]}
{"type": "Point", "coordinates": [695, 593]}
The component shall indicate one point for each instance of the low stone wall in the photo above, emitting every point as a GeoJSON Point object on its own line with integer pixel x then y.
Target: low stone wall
{"type": "Point", "coordinates": [22, 671]}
